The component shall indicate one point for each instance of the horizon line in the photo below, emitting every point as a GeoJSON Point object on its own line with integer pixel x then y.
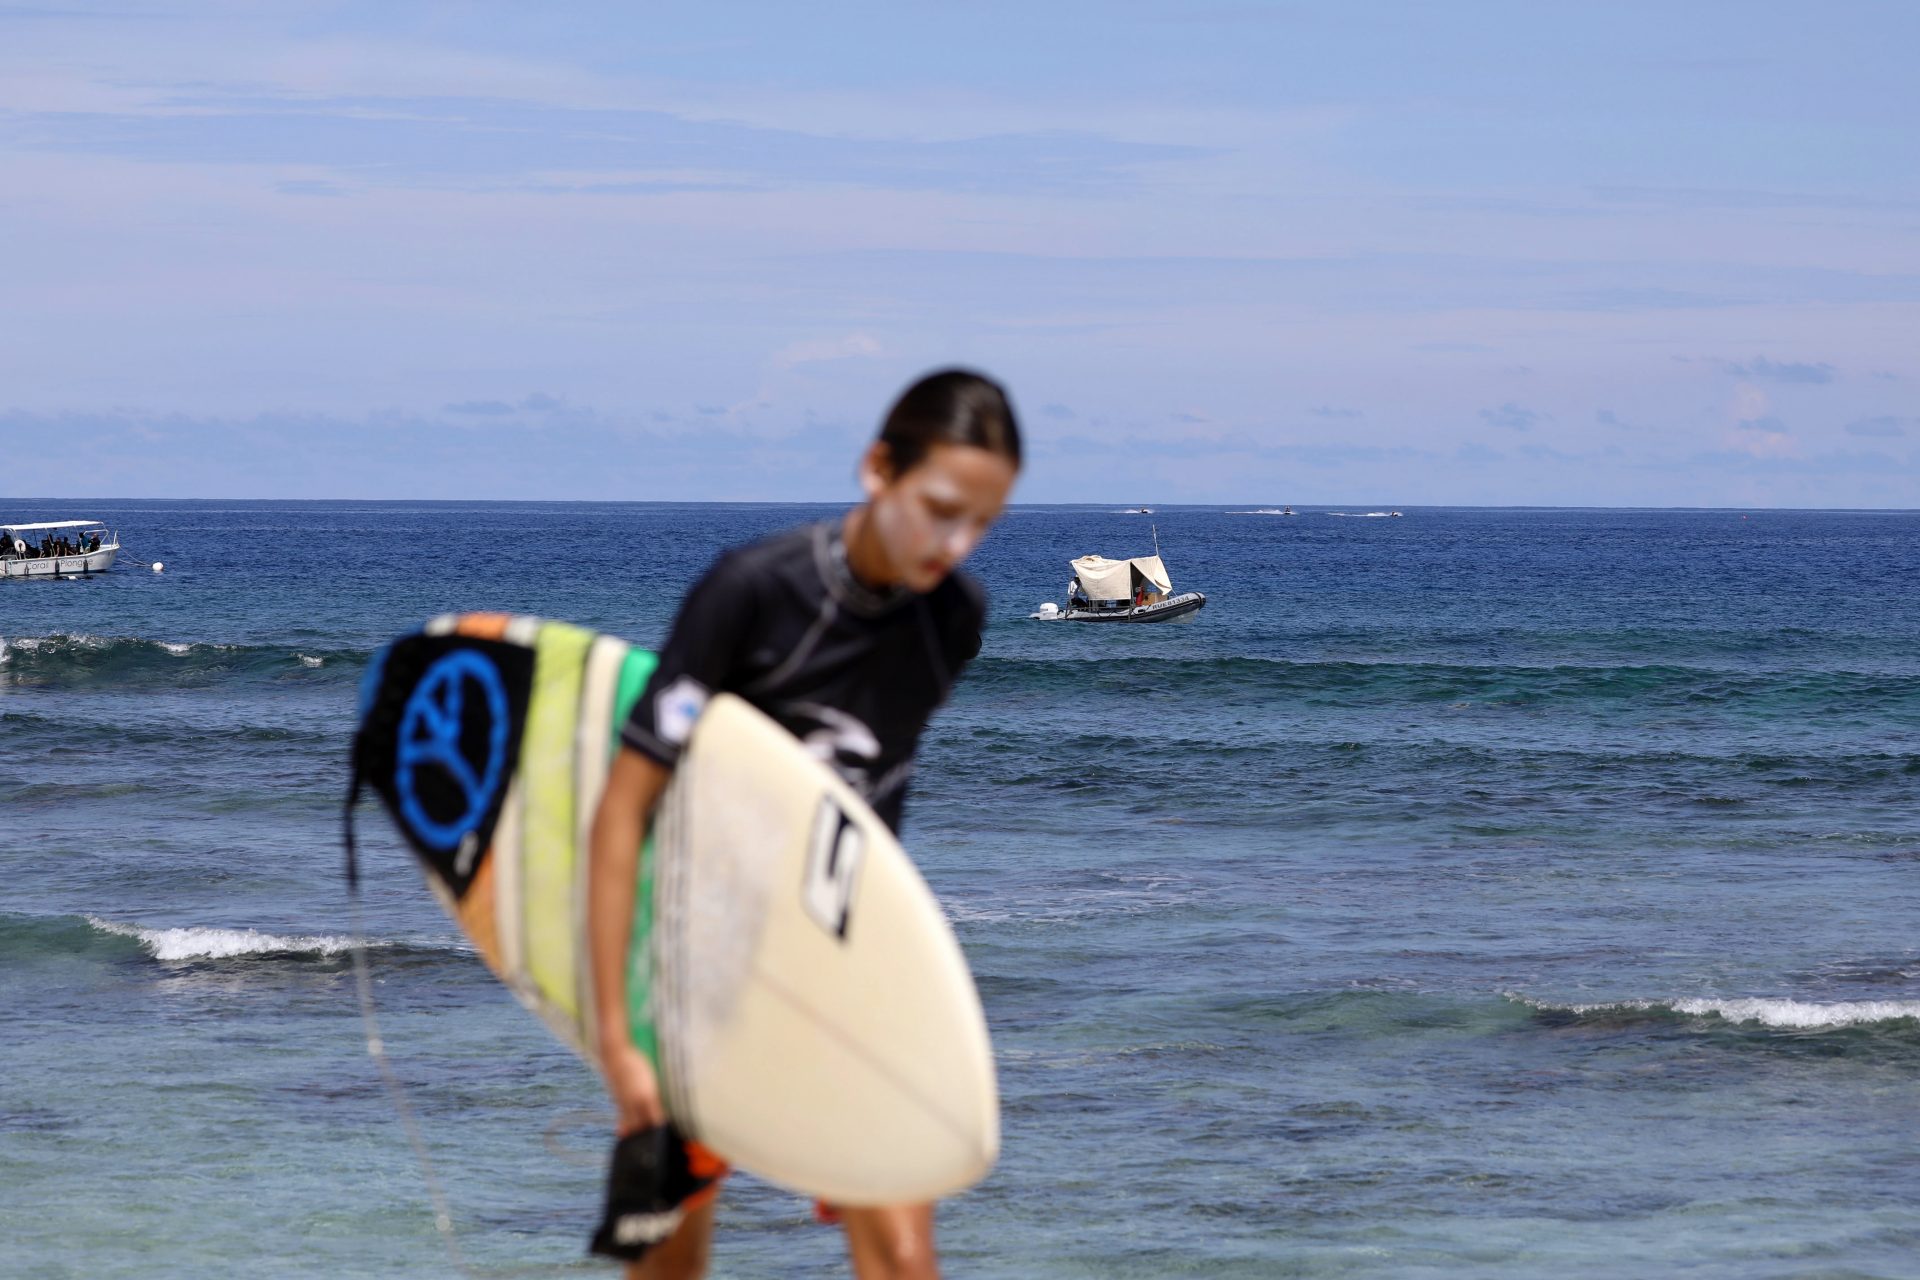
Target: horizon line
{"type": "Point", "coordinates": [1314, 508]}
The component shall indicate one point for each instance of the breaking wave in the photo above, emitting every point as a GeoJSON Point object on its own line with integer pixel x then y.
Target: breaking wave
{"type": "Point", "coordinates": [24, 938]}
{"type": "Point", "coordinates": [1767, 1011]}
{"type": "Point", "coordinates": [82, 660]}
{"type": "Point", "coordinates": [223, 944]}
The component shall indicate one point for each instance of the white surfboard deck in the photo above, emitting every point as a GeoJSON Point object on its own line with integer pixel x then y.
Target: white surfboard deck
{"type": "Point", "coordinates": [817, 1021]}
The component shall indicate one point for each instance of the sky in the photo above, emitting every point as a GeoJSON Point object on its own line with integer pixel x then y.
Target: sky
{"type": "Point", "coordinates": [1347, 251]}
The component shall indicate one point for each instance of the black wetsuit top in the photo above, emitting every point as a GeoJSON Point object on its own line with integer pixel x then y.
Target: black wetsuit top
{"type": "Point", "coordinates": [854, 674]}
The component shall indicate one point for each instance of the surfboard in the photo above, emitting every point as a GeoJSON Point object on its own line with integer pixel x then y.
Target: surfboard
{"type": "Point", "coordinates": [806, 1006]}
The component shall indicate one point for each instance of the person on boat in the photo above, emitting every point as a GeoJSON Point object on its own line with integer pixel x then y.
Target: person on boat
{"type": "Point", "coordinates": [849, 633]}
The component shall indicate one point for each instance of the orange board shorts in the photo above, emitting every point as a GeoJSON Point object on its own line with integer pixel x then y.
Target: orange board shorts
{"type": "Point", "coordinates": [702, 1163]}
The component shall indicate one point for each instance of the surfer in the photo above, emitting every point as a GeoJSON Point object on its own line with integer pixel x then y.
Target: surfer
{"type": "Point", "coordinates": [849, 633]}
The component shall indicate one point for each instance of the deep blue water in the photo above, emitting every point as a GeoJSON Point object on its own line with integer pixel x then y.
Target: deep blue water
{"type": "Point", "coordinates": [1481, 893]}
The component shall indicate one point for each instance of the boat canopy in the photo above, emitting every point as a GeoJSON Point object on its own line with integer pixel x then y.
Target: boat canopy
{"type": "Point", "coordinates": [1104, 579]}
{"type": "Point", "coordinates": [52, 524]}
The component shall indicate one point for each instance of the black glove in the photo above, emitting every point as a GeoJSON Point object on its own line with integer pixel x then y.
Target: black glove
{"type": "Point", "coordinates": [647, 1183]}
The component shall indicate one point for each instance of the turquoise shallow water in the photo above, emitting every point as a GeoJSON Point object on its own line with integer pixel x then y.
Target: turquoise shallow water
{"type": "Point", "coordinates": [1481, 893]}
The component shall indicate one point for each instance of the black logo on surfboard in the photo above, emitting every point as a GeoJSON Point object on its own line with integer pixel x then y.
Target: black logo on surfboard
{"type": "Point", "coordinates": [438, 741]}
{"type": "Point", "coordinates": [834, 855]}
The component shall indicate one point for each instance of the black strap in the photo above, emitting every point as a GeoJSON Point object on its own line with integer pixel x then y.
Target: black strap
{"type": "Point", "coordinates": [346, 824]}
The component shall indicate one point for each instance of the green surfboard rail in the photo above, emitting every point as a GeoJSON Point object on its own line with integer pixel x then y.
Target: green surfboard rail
{"type": "Point", "coordinates": [635, 671]}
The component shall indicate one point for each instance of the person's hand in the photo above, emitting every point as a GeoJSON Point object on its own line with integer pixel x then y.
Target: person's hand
{"type": "Point", "coordinates": [634, 1089]}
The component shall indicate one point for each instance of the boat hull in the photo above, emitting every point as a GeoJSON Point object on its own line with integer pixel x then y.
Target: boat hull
{"type": "Point", "coordinates": [1181, 606]}
{"type": "Point", "coordinates": [60, 566]}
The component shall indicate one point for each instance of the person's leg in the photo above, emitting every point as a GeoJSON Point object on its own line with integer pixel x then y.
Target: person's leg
{"type": "Point", "coordinates": [894, 1243]}
{"type": "Point", "coordinates": [682, 1255]}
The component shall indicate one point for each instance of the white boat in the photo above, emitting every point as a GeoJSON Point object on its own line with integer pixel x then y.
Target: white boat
{"type": "Point", "coordinates": [1133, 590]}
{"type": "Point", "coordinates": [56, 549]}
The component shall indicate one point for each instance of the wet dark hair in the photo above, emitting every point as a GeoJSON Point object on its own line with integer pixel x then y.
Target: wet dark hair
{"type": "Point", "coordinates": [951, 406]}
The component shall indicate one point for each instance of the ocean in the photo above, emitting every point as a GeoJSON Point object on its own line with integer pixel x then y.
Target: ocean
{"type": "Point", "coordinates": [1480, 893]}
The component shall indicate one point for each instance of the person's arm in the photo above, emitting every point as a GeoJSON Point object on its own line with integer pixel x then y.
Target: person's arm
{"type": "Point", "coordinates": [634, 784]}
{"type": "Point", "coordinates": [699, 656]}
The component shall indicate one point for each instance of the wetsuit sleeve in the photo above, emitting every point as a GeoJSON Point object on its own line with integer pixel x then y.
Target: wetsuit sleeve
{"type": "Point", "coordinates": [700, 657]}
{"type": "Point", "coordinates": [965, 623]}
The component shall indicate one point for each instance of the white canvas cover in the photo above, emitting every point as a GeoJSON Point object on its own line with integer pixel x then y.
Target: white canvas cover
{"type": "Point", "coordinates": [51, 524]}
{"type": "Point", "coordinates": [1104, 579]}
{"type": "Point", "coordinates": [1153, 571]}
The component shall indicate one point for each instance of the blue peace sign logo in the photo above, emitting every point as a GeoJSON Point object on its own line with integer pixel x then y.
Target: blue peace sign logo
{"type": "Point", "coordinates": [430, 730]}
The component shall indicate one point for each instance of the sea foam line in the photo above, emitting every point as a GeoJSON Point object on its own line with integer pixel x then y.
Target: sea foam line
{"type": "Point", "coordinates": [1769, 1011]}
{"type": "Point", "coordinates": [220, 944]}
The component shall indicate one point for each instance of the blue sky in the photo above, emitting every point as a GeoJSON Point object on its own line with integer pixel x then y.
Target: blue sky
{"type": "Point", "coordinates": [1407, 253]}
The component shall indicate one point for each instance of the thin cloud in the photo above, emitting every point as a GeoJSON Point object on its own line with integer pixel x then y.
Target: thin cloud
{"type": "Point", "coordinates": [855, 346]}
{"type": "Point", "coordinates": [491, 144]}
{"type": "Point", "coordinates": [1769, 425]}
{"type": "Point", "coordinates": [536, 402]}
{"type": "Point", "coordinates": [1882, 427]}
{"type": "Point", "coordinates": [1514, 417]}
{"type": "Point", "coordinates": [1608, 418]}
{"type": "Point", "coordinates": [1781, 370]}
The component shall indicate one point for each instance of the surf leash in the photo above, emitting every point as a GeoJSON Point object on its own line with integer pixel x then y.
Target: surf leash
{"type": "Point", "coordinates": [397, 1092]}
{"type": "Point", "coordinates": [377, 1045]}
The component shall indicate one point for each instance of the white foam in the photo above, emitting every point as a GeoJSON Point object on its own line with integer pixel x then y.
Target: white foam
{"type": "Point", "coordinates": [220, 944]}
{"type": "Point", "coordinates": [306, 661]}
{"type": "Point", "coordinates": [176, 649]}
{"type": "Point", "coordinates": [1768, 1011]}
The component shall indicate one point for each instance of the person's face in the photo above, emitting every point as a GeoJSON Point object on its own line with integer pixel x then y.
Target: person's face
{"type": "Point", "coordinates": [929, 519]}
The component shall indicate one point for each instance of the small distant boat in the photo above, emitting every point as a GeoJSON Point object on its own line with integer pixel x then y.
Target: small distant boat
{"type": "Point", "coordinates": [1393, 513]}
{"type": "Point", "coordinates": [1137, 511]}
{"type": "Point", "coordinates": [1287, 511]}
{"type": "Point", "coordinates": [56, 549]}
{"type": "Point", "coordinates": [1134, 590]}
